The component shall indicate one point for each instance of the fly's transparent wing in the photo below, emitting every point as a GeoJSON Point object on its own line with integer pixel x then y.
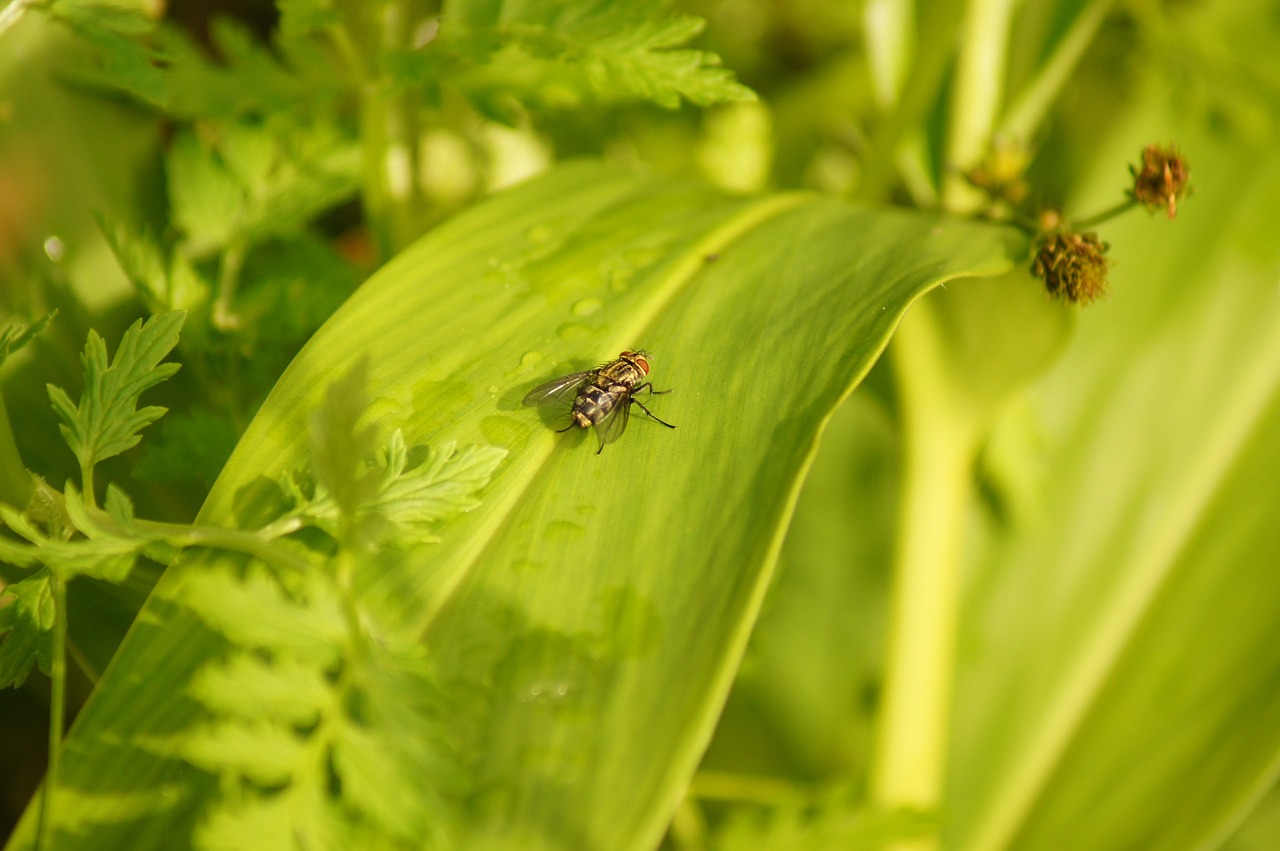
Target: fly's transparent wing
{"type": "Point", "coordinates": [611, 427]}
{"type": "Point", "coordinates": [560, 392]}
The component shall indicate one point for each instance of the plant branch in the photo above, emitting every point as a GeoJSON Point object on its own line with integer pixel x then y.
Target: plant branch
{"type": "Point", "coordinates": [1033, 102]}
{"type": "Point", "coordinates": [57, 706]}
{"type": "Point", "coordinates": [1105, 215]}
{"type": "Point", "coordinates": [390, 129]}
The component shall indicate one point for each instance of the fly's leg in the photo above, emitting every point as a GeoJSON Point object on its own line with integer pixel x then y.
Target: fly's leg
{"type": "Point", "coordinates": [648, 386]}
{"type": "Point", "coordinates": [651, 414]}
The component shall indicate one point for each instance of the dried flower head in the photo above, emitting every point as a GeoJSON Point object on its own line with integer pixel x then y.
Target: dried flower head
{"type": "Point", "coordinates": [1073, 266]}
{"type": "Point", "coordinates": [1162, 180]}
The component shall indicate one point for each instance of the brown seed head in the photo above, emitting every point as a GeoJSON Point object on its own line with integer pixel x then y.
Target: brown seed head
{"type": "Point", "coordinates": [1073, 266]}
{"type": "Point", "coordinates": [1162, 180]}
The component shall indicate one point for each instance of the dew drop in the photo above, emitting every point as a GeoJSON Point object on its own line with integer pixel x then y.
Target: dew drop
{"type": "Point", "coordinates": [54, 248]}
{"type": "Point", "coordinates": [574, 332]}
{"type": "Point", "coordinates": [539, 234]}
{"type": "Point", "coordinates": [587, 306]}
{"type": "Point", "coordinates": [563, 531]}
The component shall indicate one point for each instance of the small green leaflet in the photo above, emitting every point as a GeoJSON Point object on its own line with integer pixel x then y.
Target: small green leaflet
{"type": "Point", "coordinates": [411, 497]}
{"type": "Point", "coordinates": [28, 621]}
{"type": "Point", "coordinates": [107, 420]}
{"type": "Point", "coordinates": [395, 497]}
{"type": "Point", "coordinates": [638, 64]}
{"type": "Point", "coordinates": [612, 51]}
{"type": "Point", "coordinates": [17, 335]}
{"type": "Point", "coordinates": [125, 60]}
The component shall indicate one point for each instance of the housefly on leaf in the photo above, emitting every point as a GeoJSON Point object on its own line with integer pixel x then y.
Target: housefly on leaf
{"type": "Point", "coordinates": [601, 397]}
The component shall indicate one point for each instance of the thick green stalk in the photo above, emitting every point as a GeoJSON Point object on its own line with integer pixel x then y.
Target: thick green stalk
{"type": "Point", "coordinates": [909, 765]}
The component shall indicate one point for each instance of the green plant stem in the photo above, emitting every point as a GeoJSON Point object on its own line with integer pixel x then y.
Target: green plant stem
{"type": "Point", "coordinates": [978, 94]}
{"type": "Point", "coordinates": [254, 544]}
{"type": "Point", "coordinates": [395, 203]}
{"type": "Point", "coordinates": [86, 483]}
{"type": "Point", "coordinates": [739, 787]}
{"type": "Point", "coordinates": [1032, 104]}
{"type": "Point", "coordinates": [928, 70]}
{"type": "Point", "coordinates": [57, 707]}
{"type": "Point", "coordinates": [910, 760]}
{"type": "Point", "coordinates": [224, 313]}
{"type": "Point", "coordinates": [1105, 215]}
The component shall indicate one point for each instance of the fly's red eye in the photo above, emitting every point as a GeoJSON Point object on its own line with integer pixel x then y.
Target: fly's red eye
{"type": "Point", "coordinates": [642, 362]}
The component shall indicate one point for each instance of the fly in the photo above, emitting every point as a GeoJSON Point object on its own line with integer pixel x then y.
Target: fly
{"type": "Point", "coordinates": [601, 397]}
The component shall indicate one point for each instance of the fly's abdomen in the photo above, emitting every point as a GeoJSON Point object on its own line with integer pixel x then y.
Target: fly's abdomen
{"type": "Point", "coordinates": [595, 402]}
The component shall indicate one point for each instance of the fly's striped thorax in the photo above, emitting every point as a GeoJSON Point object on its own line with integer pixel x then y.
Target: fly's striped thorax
{"type": "Point", "coordinates": [623, 372]}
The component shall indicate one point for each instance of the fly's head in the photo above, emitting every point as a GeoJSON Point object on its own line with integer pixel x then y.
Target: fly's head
{"type": "Point", "coordinates": [640, 360]}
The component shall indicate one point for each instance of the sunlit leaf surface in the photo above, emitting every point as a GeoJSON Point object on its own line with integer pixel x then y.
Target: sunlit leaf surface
{"type": "Point", "coordinates": [587, 618]}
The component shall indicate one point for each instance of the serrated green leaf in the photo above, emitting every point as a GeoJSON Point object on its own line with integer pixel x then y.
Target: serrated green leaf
{"type": "Point", "coordinates": [256, 183]}
{"type": "Point", "coordinates": [255, 821]}
{"type": "Point", "coordinates": [26, 628]}
{"type": "Point", "coordinates": [300, 818]}
{"type": "Point", "coordinates": [206, 199]}
{"type": "Point", "coordinates": [246, 687]}
{"type": "Point", "coordinates": [20, 524]}
{"type": "Point", "coordinates": [166, 283]}
{"type": "Point", "coordinates": [443, 485]}
{"type": "Point", "coordinates": [254, 612]}
{"type": "Point", "coordinates": [398, 502]}
{"type": "Point", "coordinates": [639, 64]}
{"type": "Point", "coordinates": [562, 53]}
{"type": "Point", "coordinates": [107, 420]}
{"type": "Point", "coordinates": [264, 754]}
{"type": "Point", "coordinates": [365, 760]}
{"type": "Point", "coordinates": [125, 60]}
{"type": "Point", "coordinates": [303, 17]}
{"type": "Point", "coordinates": [120, 508]}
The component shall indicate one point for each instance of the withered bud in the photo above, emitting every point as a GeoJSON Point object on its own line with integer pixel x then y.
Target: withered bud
{"type": "Point", "coordinates": [1162, 180]}
{"type": "Point", "coordinates": [1073, 266]}
{"type": "Point", "coordinates": [1001, 173]}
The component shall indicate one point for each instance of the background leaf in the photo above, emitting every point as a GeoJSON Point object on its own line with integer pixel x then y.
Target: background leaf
{"type": "Point", "coordinates": [1118, 661]}
{"type": "Point", "coordinates": [587, 618]}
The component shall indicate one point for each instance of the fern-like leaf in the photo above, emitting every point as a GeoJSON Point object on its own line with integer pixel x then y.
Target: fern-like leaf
{"type": "Point", "coordinates": [107, 420]}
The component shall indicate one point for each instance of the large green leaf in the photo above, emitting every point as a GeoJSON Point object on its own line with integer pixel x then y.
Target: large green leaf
{"type": "Point", "coordinates": [587, 619]}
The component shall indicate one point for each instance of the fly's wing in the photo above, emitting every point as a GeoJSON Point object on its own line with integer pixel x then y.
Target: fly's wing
{"type": "Point", "coordinates": [611, 427]}
{"type": "Point", "coordinates": [560, 392]}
